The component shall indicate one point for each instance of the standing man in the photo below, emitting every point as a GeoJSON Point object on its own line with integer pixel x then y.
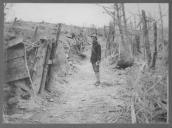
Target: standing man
{"type": "Point", "coordinates": [96, 58]}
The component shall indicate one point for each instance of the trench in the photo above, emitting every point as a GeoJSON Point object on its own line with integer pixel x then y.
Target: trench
{"type": "Point", "coordinates": [82, 101]}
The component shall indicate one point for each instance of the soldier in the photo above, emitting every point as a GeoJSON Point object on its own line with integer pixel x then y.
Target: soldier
{"type": "Point", "coordinates": [96, 58]}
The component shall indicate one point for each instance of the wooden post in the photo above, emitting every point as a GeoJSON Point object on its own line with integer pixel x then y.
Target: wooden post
{"type": "Point", "coordinates": [14, 22]}
{"type": "Point", "coordinates": [46, 68]}
{"type": "Point", "coordinates": [52, 57]}
{"type": "Point", "coordinates": [39, 66]}
{"type": "Point", "coordinates": [34, 38]}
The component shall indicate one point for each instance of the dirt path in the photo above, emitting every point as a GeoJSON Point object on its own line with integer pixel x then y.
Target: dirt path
{"type": "Point", "coordinates": [83, 102]}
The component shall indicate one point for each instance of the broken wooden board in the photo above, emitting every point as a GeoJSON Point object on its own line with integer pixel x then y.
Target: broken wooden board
{"type": "Point", "coordinates": [16, 65]}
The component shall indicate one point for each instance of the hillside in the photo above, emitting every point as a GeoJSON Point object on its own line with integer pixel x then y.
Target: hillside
{"type": "Point", "coordinates": [124, 93]}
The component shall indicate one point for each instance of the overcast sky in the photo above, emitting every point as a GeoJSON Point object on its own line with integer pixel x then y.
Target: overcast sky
{"type": "Point", "coordinates": [76, 14]}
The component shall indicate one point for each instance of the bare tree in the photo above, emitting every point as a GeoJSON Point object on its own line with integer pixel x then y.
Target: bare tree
{"type": "Point", "coordinates": [124, 17]}
{"type": "Point", "coordinates": [110, 39]}
{"type": "Point", "coordinates": [125, 58]}
{"type": "Point", "coordinates": [137, 39]}
{"type": "Point", "coordinates": [155, 46]}
{"type": "Point", "coordinates": [161, 23]}
{"type": "Point", "coordinates": [146, 38]}
{"type": "Point", "coordinates": [118, 15]}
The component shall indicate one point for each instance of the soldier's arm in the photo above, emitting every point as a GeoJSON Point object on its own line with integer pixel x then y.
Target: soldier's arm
{"type": "Point", "coordinates": [99, 52]}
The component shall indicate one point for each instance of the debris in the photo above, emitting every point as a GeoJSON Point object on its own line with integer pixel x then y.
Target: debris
{"type": "Point", "coordinates": [51, 100]}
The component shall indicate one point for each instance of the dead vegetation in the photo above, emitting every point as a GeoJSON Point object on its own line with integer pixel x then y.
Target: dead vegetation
{"type": "Point", "coordinates": [147, 80]}
{"type": "Point", "coordinates": [50, 52]}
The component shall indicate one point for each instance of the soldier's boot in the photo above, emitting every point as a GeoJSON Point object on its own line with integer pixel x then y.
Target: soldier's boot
{"type": "Point", "coordinates": [97, 78]}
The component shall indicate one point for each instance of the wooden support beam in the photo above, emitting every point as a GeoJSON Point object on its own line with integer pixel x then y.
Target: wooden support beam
{"type": "Point", "coordinates": [52, 57]}
{"type": "Point", "coordinates": [45, 75]}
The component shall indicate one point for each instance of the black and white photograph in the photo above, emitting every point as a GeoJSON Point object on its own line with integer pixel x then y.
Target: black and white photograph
{"type": "Point", "coordinates": [86, 63]}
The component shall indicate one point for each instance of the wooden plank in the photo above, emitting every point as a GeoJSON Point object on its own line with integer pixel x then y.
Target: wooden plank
{"type": "Point", "coordinates": [16, 74]}
{"type": "Point", "coordinates": [39, 65]}
{"type": "Point", "coordinates": [45, 76]}
{"type": "Point", "coordinates": [53, 55]}
{"type": "Point", "coordinates": [15, 52]}
{"type": "Point", "coordinates": [15, 63]}
{"type": "Point", "coordinates": [16, 68]}
{"type": "Point", "coordinates": [14, 42]}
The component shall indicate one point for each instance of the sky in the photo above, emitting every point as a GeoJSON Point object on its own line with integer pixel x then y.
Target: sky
{"type": "Point", "coordinates": [77, 14]}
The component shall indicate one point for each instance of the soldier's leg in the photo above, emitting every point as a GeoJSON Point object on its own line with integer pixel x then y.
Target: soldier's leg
{"type": "Point", "coordinates": [97, 73]}
{"type": "Point", "coordinates": [98, 77]}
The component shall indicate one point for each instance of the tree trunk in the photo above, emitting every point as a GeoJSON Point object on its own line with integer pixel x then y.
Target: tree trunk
{"type": "Point", "coordinates": [161, 20]}
{"type": "Point", "coordinates": [108, 44]}
{"type": "Point", "coordinates": [110, 39]}
{"type": "Point", "coordinates": [105, 32]}
{"type": "Point", "coordinates": [131, 38]}
{"type": "Point", "coordinates": [127, 36]}
{"type": "Point", "coordinates": [124, 18]}
{"type": "Point", "coordinates": [155, 46]}
{"type": "Point", "coordinates": [137, 39]}
{"type": "Point", "coordinates": [125, 58]}
{"type": "Point", "coordinates": [146, 38]}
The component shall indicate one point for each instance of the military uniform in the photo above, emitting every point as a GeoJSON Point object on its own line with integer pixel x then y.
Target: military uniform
{"type": "Point", "coordinates": [95, 55]}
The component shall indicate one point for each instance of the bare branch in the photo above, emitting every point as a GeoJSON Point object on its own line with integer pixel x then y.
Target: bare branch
{"type": "Point", "coordinates": [108, 12]}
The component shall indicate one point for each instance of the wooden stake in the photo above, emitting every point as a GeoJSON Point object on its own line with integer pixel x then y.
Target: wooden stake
{"type": "Point", "coordinates": [52, 57]}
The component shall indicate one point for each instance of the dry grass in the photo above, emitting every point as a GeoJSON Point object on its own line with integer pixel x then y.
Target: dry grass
{"type": "Point", "coordinates": [148, 95]}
